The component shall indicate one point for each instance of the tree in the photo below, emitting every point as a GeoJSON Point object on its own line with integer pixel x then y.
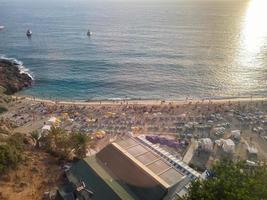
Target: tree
{"type": "Point", "coordinates": [231, 181]}
{"type": "Point", "coordinates": [59, 142]}
{"type": "Point", "coordinates": [64, 145]}
{"type": "Point", "coordinates": [80, 144]}
{"type": "Point", "coordinates": [53, 138]}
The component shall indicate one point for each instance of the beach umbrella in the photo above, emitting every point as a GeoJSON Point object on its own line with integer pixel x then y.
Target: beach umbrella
{"type": "Point", "coordinates": [52, 120]}
{"type": "Point", "coordinates": [100, 134]}
{"type": "Point", "coordinates": [46, 128]}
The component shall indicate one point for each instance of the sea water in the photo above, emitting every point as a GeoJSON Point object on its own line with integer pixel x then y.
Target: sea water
{"type": "Point", "coordinates": [139, 49]}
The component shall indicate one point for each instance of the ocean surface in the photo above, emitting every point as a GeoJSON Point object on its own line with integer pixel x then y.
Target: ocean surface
{"type": "Point", "coordinates": [139, 49]}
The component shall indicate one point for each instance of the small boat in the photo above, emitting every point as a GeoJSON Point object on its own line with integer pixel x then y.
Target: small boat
{"type": "Point", "coordinates": [89, 33]}
{"type": "Point", "coordinates": [29, 33]}
{"type": "Point", "coordinates": [1, 28]}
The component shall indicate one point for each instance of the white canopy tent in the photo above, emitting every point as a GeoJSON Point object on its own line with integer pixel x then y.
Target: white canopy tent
{"type": "Point", "coordinates": [236, 134]}
{"type": "Point", "coordinates": [206, 144]}
{"type": "Point", "coordinates": [228, 146]}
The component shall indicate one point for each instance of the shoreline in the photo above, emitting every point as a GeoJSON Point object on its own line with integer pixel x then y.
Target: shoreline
{"type": "Point", "coordinates": [141, 101]}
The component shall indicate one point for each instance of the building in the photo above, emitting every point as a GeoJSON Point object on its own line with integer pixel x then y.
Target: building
{"type": "Point", "coordinates": [179, 165]}
{"type": "Point", "coordinates": [205, 144]}
{"type": "Point", "coordinates": [129, 170]}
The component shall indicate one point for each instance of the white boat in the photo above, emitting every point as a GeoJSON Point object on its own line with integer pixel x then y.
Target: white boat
{"type": "Point", "coordinates": [29, 33]}
{"type": "Point", "coordinates": [1, 28]}
{"type": "Point", "coordinates": [89, 33]}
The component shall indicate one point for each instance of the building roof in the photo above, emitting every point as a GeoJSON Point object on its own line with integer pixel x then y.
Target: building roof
{"type": "Point", "coordinates": [178, 164]}
{"type": "Point", "coordinates": [161, 170]}
{"type": "Point", "coordinates": [126, 169]}
{"type": "Point", "coordinates": [96, 179]}
{"type": "Point", "coordinates": [131, 173]}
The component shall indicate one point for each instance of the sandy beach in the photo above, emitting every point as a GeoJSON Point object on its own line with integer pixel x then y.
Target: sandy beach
{"type": "Point", "coordinates": [144, 101]}
{"type": "Point", "coordinates": [186, 120]}
{"type": "Point", "coordinates": [197, 132]}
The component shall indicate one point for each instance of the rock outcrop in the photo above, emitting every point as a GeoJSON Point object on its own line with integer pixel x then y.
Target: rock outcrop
{"type": "Point", "coordinates": [11, 77]}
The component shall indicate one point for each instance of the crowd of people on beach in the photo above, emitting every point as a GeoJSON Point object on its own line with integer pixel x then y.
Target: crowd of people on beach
{"type": "Point", "coordinates": [164, 118]}
{"type": "Point", "coordinates": [174, 121]}
{"type": "Point", "coordinates": [185, 120]}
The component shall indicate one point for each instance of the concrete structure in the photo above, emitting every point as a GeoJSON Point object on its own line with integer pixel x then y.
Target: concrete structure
{"type": "Point", "coordinates": [179, 165]}
{"type": "Point", "coordinates": [128, 169]}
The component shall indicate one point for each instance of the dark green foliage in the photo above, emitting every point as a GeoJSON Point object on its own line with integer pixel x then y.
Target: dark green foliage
{"type": "Point", "coordinates": [53, 138]}
{"type": "Point", "coordinates": [232, 181]}
{"type": "Point", "coordinates": [80, 142]}
{"type": "Point", "coordinates": [35, 135]}
{"type": "Point", "coordinates": [63, 144]}
{"type": "Point", "coordinates": [2, 109]}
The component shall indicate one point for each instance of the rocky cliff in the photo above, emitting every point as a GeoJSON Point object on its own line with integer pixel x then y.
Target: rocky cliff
{"type": "Point", "coordinates": [11, 78]}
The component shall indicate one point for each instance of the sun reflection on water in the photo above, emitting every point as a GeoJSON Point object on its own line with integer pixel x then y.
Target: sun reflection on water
{"type": "Point", "coordinates": [248, 64]}
{"type": "Point", "coordinates": [254, 32]}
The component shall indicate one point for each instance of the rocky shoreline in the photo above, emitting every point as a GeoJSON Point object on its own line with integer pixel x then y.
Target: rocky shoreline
{"type": "Point", "coordinates": [11, 78]}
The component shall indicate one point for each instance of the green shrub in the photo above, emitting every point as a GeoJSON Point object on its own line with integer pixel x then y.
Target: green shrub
{"type": "Point", "coordinates": [10, 157]}
{"type": "Point", "coordinates": [17, 141]}
{"type": "Point", "coordinates": [231, 181]}
{"type": "Point", "coordinates": [35, 135]}
{"type": "Point", "coordinates": [11, 150]}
